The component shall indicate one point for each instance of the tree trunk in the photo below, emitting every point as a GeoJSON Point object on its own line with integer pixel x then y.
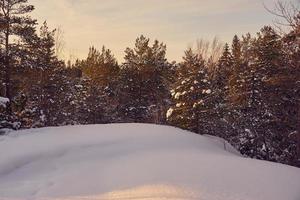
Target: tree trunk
{"type": "Point", "coordinates": [7, 63]}
{"type": "Point", "coordinates": [7, 79]}
{"type": "Point", "coordinates": [298, 135]}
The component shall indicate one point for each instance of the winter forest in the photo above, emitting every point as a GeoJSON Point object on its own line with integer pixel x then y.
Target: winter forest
{"type": "Point", "coordinates": [246, 91]}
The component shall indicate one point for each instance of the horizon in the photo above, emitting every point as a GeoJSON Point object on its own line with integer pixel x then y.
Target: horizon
{"type": "Point", "coordinates": [116, 24]}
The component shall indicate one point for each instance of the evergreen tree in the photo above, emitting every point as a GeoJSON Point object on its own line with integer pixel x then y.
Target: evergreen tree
{"type": "Point", "coordinates": [224, 70]}
{"type": "Point", "coordinates": [190, 95]}
{"type": "Point", "coordinates": [221, 93]}
{"type": "Point", "coordinates": [288, 83]}
{"type": "Point", "coordinates": [41, 87]}
{"type": "Point", "coordinates": [2, 74]}
{"type": "Point", "coordinates": [14, 24]}
{"type": "Point", "coordinates": [100, 71]}
{"type": "Point", "coordinates": [258, 117]}
{"type": "Point", "coordinates": [101, 67]}
{"type": "Point", "coordinates": [236, 78]}
{"type": "Point", "coordinates": [143, 82]}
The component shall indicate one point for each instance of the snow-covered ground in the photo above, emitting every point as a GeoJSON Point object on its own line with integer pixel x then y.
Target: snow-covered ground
{"type": "Point", "coordinates": [135, 161]}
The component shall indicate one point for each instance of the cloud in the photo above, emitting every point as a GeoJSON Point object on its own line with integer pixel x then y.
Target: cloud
{"type": "Point", "coordinates": [116, 23]}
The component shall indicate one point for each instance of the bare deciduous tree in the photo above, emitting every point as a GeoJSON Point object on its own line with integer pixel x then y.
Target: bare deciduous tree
{"type": "Point", "coordinates": [203, 48]}
{"type": "Point", "coordinates": [216, 50]}
{"type": "Point", "coordinates": [59, 42]}
{"type": "Point", "coordinates": [287, 13]}
{"type": "Point", "coordinates": [210, 51]}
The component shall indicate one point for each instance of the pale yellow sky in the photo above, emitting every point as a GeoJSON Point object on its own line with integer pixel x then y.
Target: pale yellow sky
{"type": "Point", "coordinates": [178, 23]}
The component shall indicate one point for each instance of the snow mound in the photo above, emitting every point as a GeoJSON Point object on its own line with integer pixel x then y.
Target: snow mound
{"type": "Point", "coordinates": [3, 102]}
{"type": "Point", "coordinates": [135, 161]}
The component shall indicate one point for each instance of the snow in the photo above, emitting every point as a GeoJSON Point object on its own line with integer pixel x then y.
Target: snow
{"type": "Point", "coordinates": [135, 161]}
{"type": "Point", "coordinates": [170, 112]}
{"type": "Point", "coordinates": [248, 130]}
{"type": "Point", "coordinates": [3, 102]}
{"type": "Point", "coordinates": [178, 105]}
{"type": "Point", "coordinates": [79, 86]}
{"type": "Point", "coordinates": [173, 93]}
{"type": "Point", "coordinates": [42, 116]}
{"type": "Point", "coordinates": [177, 95]}
{"type": "Point", "coordinates": [208, 91]}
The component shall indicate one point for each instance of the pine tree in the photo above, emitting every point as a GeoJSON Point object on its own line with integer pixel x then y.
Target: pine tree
{"type": "Point", "coordinates": [101, 67]}
{"type": "Point", "coordinates": [14, 23]}
{"type": "Point", "coordinates": [143, 82]}
{"type": "Point", "coordinates": [100, 71]}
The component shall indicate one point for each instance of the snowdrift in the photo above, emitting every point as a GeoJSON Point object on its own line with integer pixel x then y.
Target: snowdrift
{"type": "Point", "coordinates": [135, 161]}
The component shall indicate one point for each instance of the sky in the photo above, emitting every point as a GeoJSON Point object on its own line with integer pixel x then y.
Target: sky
{"type": "Point", "coordinates": [178, 23]}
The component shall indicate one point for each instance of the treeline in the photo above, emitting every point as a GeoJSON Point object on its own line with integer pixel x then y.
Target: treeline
{"type": "Point", "coordinates": [249, 95]}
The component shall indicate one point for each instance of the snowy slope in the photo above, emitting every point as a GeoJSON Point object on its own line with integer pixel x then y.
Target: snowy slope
{"type": "Point", "coordinates": [135, 161]}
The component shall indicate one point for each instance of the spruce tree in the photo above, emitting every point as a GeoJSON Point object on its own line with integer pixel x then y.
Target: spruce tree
{"type": "Point", "coordinates": [42, 85]}
{"type": "Point", "coordinates": [190, 95]}
{"type": "Point", "coordinates": [258, 121]}
{"type": "Point", "coordinates": [2, 74]}
{"type": "Point", "coordinates": [236, 78]}
{"type": "Point", "coordinates": [224, 69]}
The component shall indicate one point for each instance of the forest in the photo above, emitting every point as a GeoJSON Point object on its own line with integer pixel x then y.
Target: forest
{"type": "Point", "coordinates": [246, 91]}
